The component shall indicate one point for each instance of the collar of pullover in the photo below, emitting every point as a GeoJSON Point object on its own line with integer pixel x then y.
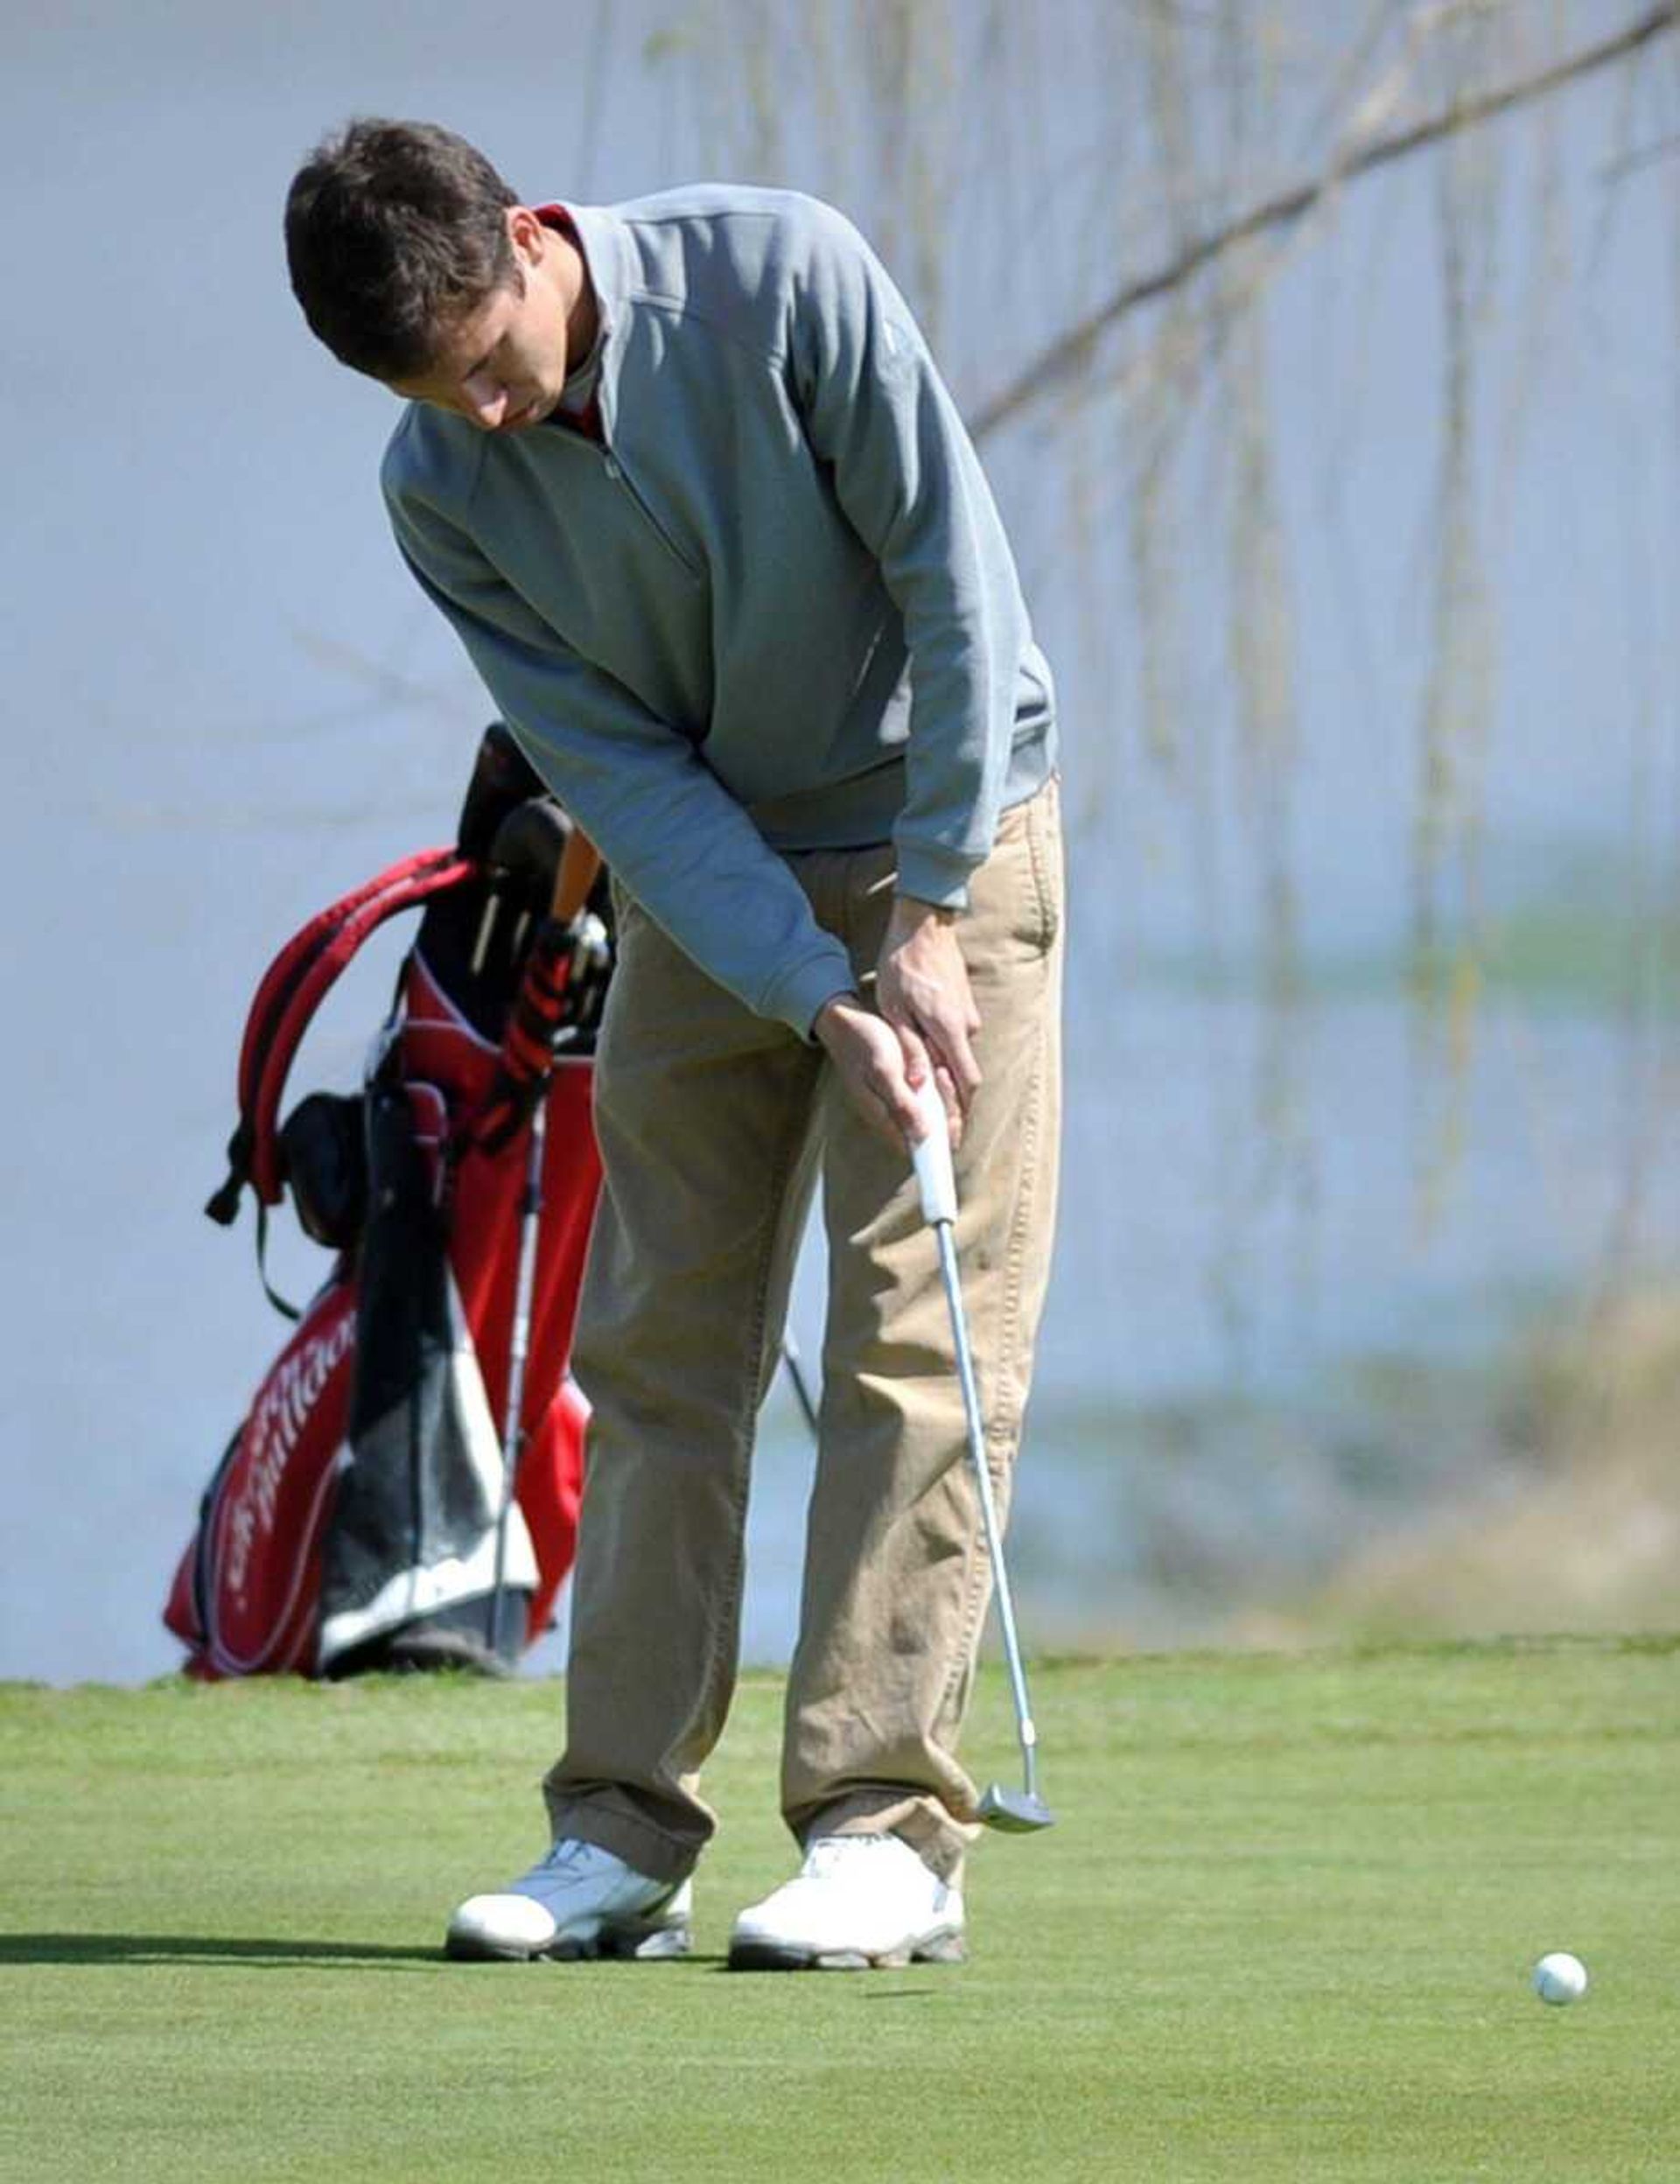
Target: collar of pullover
{"type": "Point", "coordinates": [610, 262]}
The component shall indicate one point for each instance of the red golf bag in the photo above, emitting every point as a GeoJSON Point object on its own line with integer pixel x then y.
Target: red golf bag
{"type": "Point", "coordinates": [360, 1516]}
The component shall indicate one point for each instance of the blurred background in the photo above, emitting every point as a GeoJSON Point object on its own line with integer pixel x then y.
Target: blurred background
{"type": "Point", "coordinates": [1323, 356]}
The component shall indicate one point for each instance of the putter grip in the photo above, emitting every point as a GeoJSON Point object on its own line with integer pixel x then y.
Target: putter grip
{"type": "Point", "coordinates": [932, 1158]}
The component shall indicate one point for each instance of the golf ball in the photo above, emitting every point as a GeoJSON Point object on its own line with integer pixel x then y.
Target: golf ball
{"type": "Point", "coordinates": [1560, 1977]}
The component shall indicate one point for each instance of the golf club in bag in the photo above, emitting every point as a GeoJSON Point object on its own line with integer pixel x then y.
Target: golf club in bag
{"type": "Point", "coordinates": [1013, 1811]}
{"type": "Point", "coordinates": [584, 936]}
{"type": "Point", "coordinates": [403, 1479]}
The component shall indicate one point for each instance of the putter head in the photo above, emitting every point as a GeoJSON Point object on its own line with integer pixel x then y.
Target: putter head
{"type": "Point", "coordinates": [1014, 1812]}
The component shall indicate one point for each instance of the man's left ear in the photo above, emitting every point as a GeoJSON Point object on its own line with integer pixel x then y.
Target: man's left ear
{"type": "Point", "coordinates": [527, 234]}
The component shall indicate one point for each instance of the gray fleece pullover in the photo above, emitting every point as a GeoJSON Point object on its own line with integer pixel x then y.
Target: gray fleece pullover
{"type": "Point", "coordinates": [774, 609]}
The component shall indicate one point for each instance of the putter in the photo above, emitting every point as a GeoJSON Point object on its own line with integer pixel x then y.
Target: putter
{"type": "Point", "coordinates": [1014, 1812]}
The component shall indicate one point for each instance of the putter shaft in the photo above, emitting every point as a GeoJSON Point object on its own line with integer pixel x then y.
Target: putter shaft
{"type": "Point", "coordinates": [1029, 1736]}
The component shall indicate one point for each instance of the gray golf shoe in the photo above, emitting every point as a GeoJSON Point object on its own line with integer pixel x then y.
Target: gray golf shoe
{"type": "Point", "coordinates": [578, 1902]}
{"type": "Point", "coordinates": [858, 1901]}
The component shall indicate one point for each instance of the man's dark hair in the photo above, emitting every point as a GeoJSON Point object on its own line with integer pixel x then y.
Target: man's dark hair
{"type": "Point", "coordinates": [394, 230]}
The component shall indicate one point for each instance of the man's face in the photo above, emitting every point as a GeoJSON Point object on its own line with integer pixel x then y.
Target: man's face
{"type": "Point", "coordinates": [502, 366]}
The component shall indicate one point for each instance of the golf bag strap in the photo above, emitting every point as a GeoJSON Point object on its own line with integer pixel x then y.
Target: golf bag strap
{"type": "Point", "coordinates": [282, 1305]}
{"type": "Point", "coordinates": [305, 945]}
{"type": "Point", "coordinates": [291, 990]}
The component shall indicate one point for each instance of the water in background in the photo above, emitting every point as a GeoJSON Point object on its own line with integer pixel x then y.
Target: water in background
{"type": "Point", "coordinates": [226, 703]}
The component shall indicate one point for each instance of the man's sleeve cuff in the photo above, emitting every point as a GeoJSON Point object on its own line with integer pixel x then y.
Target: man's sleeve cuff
{"type": "Point", "coordinates": [799, 996]}
{"type": "Point", "coordinates": [932, 876]}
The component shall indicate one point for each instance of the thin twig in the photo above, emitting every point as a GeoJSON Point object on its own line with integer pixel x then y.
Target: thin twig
{"type": "Point", "coordinates": [1065, 357]}
{"type": "Point", "coordinates": [1646, 156]}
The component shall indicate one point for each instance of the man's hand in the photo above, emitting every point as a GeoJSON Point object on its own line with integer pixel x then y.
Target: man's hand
{"type": "Point", "coordinates": [923, 991]}
{"type": "Point", "coordinates": [871, 1062]}
{"type": "Point", "coordinates": [925, 1029]}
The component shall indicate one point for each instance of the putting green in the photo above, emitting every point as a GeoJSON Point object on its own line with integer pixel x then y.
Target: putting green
{"type": "Point", "coordinates": [1281, 1932]}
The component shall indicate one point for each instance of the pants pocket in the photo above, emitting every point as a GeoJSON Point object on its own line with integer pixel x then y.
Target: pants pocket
{"type": "Point", "coordinates": [1049, 868]}
{"type": "Point", "coordinates": [1029, 840]}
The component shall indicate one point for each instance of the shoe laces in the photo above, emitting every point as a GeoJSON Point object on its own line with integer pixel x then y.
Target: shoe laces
{"type": "Point", "coordinates": [565, 1854]}
{"type": "Point", "coordinates": [830, 1851]}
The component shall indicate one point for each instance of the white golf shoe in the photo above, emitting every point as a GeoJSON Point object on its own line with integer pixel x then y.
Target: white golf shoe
{"type": "Point", "coordinates": [578, 1902]}
{"type": "Point", "coordinates": [858, 1900]}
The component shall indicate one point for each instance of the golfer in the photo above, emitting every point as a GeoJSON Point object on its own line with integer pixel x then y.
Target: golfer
{"type": "Point", "coordinates": [684, 478]}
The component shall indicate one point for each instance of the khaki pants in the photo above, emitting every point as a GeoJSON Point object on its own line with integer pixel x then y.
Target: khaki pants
{"type": "Point", "coordinates": [714, 1124]}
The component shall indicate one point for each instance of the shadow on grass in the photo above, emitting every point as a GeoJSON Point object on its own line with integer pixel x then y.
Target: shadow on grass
{"type": "Point", "coordinates": [223, 1948]}
{"type": "Point", "coordinates": [172, 1948]}
{"type": "Point", "coordinates": [214, 1949]}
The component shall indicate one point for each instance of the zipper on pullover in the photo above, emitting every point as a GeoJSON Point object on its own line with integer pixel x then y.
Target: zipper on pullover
{"type": "Point", "coordinates": [613, 465]}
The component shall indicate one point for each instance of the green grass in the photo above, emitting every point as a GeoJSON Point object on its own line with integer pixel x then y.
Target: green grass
{"type": "Point", "coordinates": [1582, 953]}
{"type": "Point", "coordinates": [1281, 1932]}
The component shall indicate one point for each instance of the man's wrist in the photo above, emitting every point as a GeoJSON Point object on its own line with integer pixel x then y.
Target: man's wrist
{"type": "Point", "coordinates": [910, 911]}
{"type": "Point", "coordinates": [848, 997]}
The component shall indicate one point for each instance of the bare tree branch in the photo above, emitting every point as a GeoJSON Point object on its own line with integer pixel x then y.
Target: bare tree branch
{"type": "Point", "coordinates": [1065, 357]}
